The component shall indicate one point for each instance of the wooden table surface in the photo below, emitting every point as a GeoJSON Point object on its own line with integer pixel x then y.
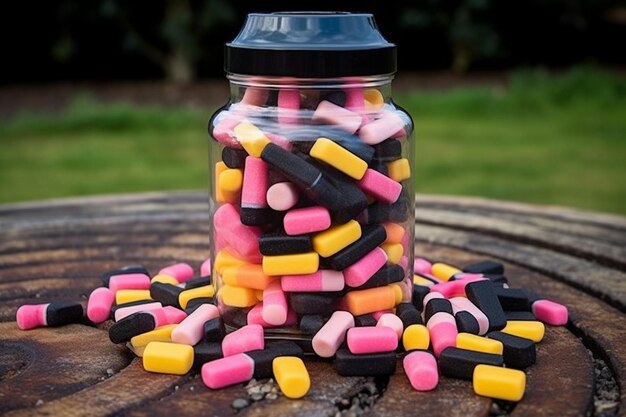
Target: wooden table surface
{"type": "Point", "coordinates": [56, 250]}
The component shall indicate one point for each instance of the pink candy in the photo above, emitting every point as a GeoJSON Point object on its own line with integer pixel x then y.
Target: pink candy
{"type": "Point", "coordinates": [227, 371]}
{"type": "Point", "coordinates": [129, 282]}
{"type": "Point", "coordinates": [99, 305]}
{"type": "Point", "coordinates": [392, 322]}
{"type": "Point", "coordinates": [328, 339]}
{"type": "Point", "coordinates": [456, 288]}
{"type": "Point", "coordinates": [329, 113]}
{"type": "Point", "coordinates": [378, 130]}
{"type": "Point", "coordinates": [550, 312]}
{"type": "Point", "coordinates": [422, 266]}
{"type": "Point", "coordinates": [420, 368]}
{"type": "Point", "coordinates": [245, 339]}
{"type": "Point", "coordinates": [255, 183]}
{"type": "Point", "coordinates": [372, 340]}
{"type": "Point", "coordinates": [306, 220]}
{"type": "Point", "coordinates": [443, 331]}
{"type": "Point", "coordinates": [358, 273]}
{"type": "Point", "coordinates": [380, 186]}
{"type": "Point", "coordinates": [242, 240]}
{"type": "Point", "coordinates": [255, 316]}
{"type": "Point", "coordinates": [288, 106]}
{"type": "Point", "coordinates": [322, 280]}
{"type": "Point", "coordinates": [123, 312]}
{"type": "Point", "coordinates": [205, 268]}
{"type": "Point", "coordinates": [191, 329]}
{"type": "Point", "coordinates": [181, 271]}
{"type": "Point", "coordinates": [275, 308]}
{"type": "Point", "coordinates": [31, 316]}
{"type": "Point", "coordinates": [463, 304]}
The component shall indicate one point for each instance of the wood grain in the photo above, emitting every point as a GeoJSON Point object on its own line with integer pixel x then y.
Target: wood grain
{"type": "Point", "coordinates": [55, 250]}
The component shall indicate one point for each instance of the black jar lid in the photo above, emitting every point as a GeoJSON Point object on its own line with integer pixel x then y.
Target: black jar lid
{"type": "Point", "coordinates": [310, 45]}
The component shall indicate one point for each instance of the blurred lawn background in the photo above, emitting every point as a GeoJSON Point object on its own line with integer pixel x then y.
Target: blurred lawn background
{"type": "Point", "coordinates": [549, 139]}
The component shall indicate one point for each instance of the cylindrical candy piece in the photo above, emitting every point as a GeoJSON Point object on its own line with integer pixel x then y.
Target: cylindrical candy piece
{"type": "Point", "coordinates": [51, 315]}
{"type": "Point", "coordinates": [181, 271]}
{"type": "Point", "coordinates": [372, 339]}
{"type": "Point", "coordinates": [227, 371]}
{"type": "Point", "coordinates": [332, 334]}
{"type": "Point", "coordinates": [167, 358]}
{"type": "Point", "coordinates": [99, 304]}
{"type": "Point", "coordinates": [191, 329]}
{"type": "Point", "coordinates": [500, 383]}
{"type": "Point", "coordinates": [420, 368]}
{"type": "Point", "coordinates": [247, 338]}
{"type": "Point", "coordinates": [291, 376]}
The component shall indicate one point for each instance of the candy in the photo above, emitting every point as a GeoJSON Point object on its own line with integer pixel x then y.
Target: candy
{"type": "Point", "coordinates": [331, 241]}
{"type": "Point", "coordinates": [253, 193]}
{"type": "Point", "coordinates": [479, 344]}
{"type": "Point", "coordinates": [391, 321]}
{"type": "Point", "coordinates": [263, 359]}
{"type": "Point", "coordinates": [371, 339]}
{"type": "Point", "coordinates": [338, 157]}
{"type": "Point", "coordinates": [550, 312]}
{"type": "Point", "coordinates": [255, 316]}
{"type": "Point", "coordinates": [166, 294]}
{"type": "Point", "coordinates": [164, 279]}
{"type": "Point", "coordinates": [399, 170]}
{"type": "Point", "coordinates": [359, 272]}
{"type": "Point", "coordinates": [296, 264]}
{"type": "Point", "coordinates": [106, 277]}
{"type": "Point", "coordinates": [328, 339]}
{"type": "Point", "coordinates": [533, 330]}
{"type": "Point", "coordinates": [48, 315]}
{"type": "Point", "coordinates": [320, 281]}
{"type": "Point", "coordinates": [278, 243]}
{"type": "Point", "coordinates": [373, 299]}
{"type": "Point", "coordinates": [127, 296]}
{"type": "Point", "coordinates": [312, 323]}
{"type": "Point", "coordinates": [388, 274]}
{"type": "Point", "coordinates": [135, 324]}
{"type": "Point", "coordinates": [483, 295]}
{"type": "Point", "coordinates": [485, 267]}
{"type": "Point", "coordinates": [181, 271]}
{"type": "Point", "coordinates": [408, 314]}
{"type": "Point", "coordinates": [160, 334]}
{"type": "Point", "coordinates": [443, 271]}
{"type": "Point", "coordinates": [443, 331]}
{"type": "Point", "coordinates": [460, 363]}
{"type": "Point", "coordinates": [306, 220]}
{"type": "Point", "coordinates": [167, 358]}
{"type": "Point", "coordinates": [191, 329]}
{"type": "Point", "coordinates": [380, 186]}
{"type": "Point", "coordinates": [238, 296]}
{"type": "Point", "coordinates": [251, 138]}
{"type": "Point", "coordinates": [129, 282]}
{"type": "Point", "coordinates": [371, 237]}
{"type": "Point", "coordinates": [282, 196]}
{"type": "Point", "coordinates": [437, 305]}
{"type": "Point", "coordinates": [205, 352]}
{"type": "Point", "coordinates": [227, 371]}
{"type": "Point", "coordinates": [310, 303]}
{"type": "Point", "coordinates": [463, 304]}
{"type": "Point", "coordinates": [247, 275]}
{"type": "Point", "coordinates": [198, 282]}
{"type": "Point", "coordinates": [378, 130]}
{"type": "Point", "coordinates": [500, 383]}
{"type": "Point", "coordinates": [234, 158]}
{"type": "Point", "coordinates": [512, 299]}
{"type": "Point", "coordinates": [291, 376]}
{"type": "Point", "coordinates": [466, 323]}
{"type": "Point", "coordinates": [332, 114]}
{"type": "Point", "coordinates": [394, 252]}
{"type": "Point", "coordinates": [421, 369]}
{"type": "Point", "coordinates": [274, 310]}
{"type": "Point", "coordinates": [518, 352]}
{"type": "Point", "coordinates": [288, 105]}
{"type": "Point", "coordinates": [416, 336]}
{"type": "Point", "coordinates": [247, 338]}
{"type": "Point", "coordinates": [200, 292]}
{"type": "Point", "coordinates": [370, 364]}
{"type": "Point", "coordinates": [99, 304]}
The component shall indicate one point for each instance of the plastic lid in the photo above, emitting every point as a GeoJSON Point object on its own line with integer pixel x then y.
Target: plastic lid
{"type": "Point", "coordinates": [310, 45]}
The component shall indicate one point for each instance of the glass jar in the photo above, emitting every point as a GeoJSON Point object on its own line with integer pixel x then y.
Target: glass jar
{"type": "Point", "coordinates": [311, 192]}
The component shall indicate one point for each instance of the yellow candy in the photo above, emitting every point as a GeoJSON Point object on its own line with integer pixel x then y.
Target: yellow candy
{"type": "Point", "coordinates": [167, 358]}
{"type": "Point", "coordinates": [394, 252]}
{"type": "Point", "coordinates": [160, 334]}
{"type": "Point", "coordinates": [444, 271]}
{"type": "Point", "coordinates": [416, 336]}
{"type": "Point", "coordinates": [164, 279]}
{"type": "Point", "coordinates": [238, 296]}
{"type": "Point", "coordinates": [291, 376]}
{"type": "Point", "coordinates": [373, 98]}
{"type": "Point", "coordinates": [331, 241]}
{"type": "Point", "coordinates": [224, 260]}
{"type": "Point", "coordinates": [399, 170]}
{"type": "Point", "coordinates": [533, 330]}
{"type": "Point", "coordinates": [230, 181]}
{"type": "Point", "coordinates": [479, 344]}
{"type": "Point", "coordinates": [185, 296]}
{"type": "Point", "coordinates": [251, 138]}
{"type": "Point", "coordinates": [336, 156]}
{"type": "Point", "coordinates": [419, 280]}
{"type": "Point", "coordinates": [297, 264]}
{"type": "Point", "coordinates": [128, 296]}
{"type": "Point", "coordinates": [220, 197]}
{"type": "Point", "coordinates": [501, 383]}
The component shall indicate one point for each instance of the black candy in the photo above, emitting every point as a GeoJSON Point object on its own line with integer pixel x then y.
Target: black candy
{"type": "Point", "coordinates": [194, 303]}
{"type": "Point", "coordinates": [62, 313]}
{"type": "Point", "coordinates": [512, 299]}
{"type": "Point", "coordinates": [365, 320]}
{"type": "Point", "coordinates": [519, 316]}
{"type": "Point", "coordinates": [234, 158]}
{"type": "Point", "coordinates": [497, 279]}
{"type": "Point", "coordinates": [466, 323]}
{"type": "Point", "coordinates": [519, 352]}
{"type": "Point", "coordinates": [311, 303]}
{"type": "Point", "coordinates": [388, 274]}
{"type": "Point", "coordinates": [485, 267]}
{"type": "Point", "coordinates": [437, 305]}
{"type": "Point", "coordinates": [214, 330]}
{"type": "Point", "coordinates": [131, 269]}
{"type": "Point", "coordinates": [388, 150]}
{"type": "Point", "coordinates": [372, 364]}
{"type": "Point", "coordinates": [205, 352]}
{"type": "Point", "coordinates": [419, 292]}
{"type": "Point", "coordinates": [408, 314]}
{"type": "Point", "coordinates": [483, 295]}
{"type": "Point", "coordinates": [131, 304]}
{"type": "Point", "coordinates": [198, 282]}
{"type": "Point", "coordinates": [166, 294]}
{"type": "Point", "coordinates": [311, 323]}
{"type": "Point", "coordinates": [279, 243]}
{"type": "Point", "coordinates": [371, 237]}
{"type": "Point", "coordinates": [460, 363]}
{"type": "Point", "coordinates": [130, 326]}
{"type": "Point", "coordinates": [396, 212]}
{"type": "Point", "coordinates": [254, 216]}
{"type": "Point", "coordinates": [263, 358]}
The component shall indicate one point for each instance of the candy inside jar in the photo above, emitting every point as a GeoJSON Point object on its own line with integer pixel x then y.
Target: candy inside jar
{"type": "Point", "coordinates": [311, 188]}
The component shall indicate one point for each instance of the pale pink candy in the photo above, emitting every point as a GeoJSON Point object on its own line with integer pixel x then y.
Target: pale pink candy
{"type": "Point", "coordinates": [431, 295]}
{"type": "Point", "coordinates": [380, 186]}
{"type": "Point", "coordinates": [378, 314]}
{"type": "Point", "coordinates": [245, 339]}
{"type": "Point", "coordinates": [274, 304]}
{"type": "Point", "coordinates": [31, 316]}
{"type": "Point", "coordinates": [422, 266]}
{"type": "Point", "coordinates": [439, 318]}
{"type": "Point", "coordinates": [280, 140]}
{"type": "Point", "coordinates": [380, 129]}
{"type": "Point", "coordinates": [328, 339]}
{"type": "Point", "coordinates": [550, 312]}
{"type": "Point", "coordinates": [255, 316]}
{"type": "Point", "coordinates": [393, 322]}
{"type": "Point", "coordinates": [288, 106]}
{"type": "Point", "coordinates": [306, 220]}
{"type": "Point", "coordinates": [205, 268]}
{"type": "Point", "coordinates": [372, 339]}
{"type": "Point", "coordinates": [254, 96]}
{"type": "Point", "coordinates": [223, 131]}
{"type": "Point", "coordinates": [404, 262]}
{"type": "Point", "coordinates": [123, 312]}
{"type": "Point", "coordinates": [191, 329]}
{"type": "Point", "coordinates": [463, 304]}
{"type": "Point", "coordinates": [322, 280]}
{"type": "Point", "coordinates": [362, 270]}
{"type": "Point", "coordinates": [174, 315]}
{"type": "Point", "coordinates": [420, 368]}
{"type": "Point", "coordinates": [227, 371]}
{"type": "Point", "coordinates": [282, 196]}
{"type": "Point", "coordinates": [329, 113]}
{"type": "Point", "coordinates": [181, 271]}
{"type": "Point", "coordinates": [99, 305]}
{"type": "Point", "coordinates": [129, 282]}
{"type": "Point", "coordinates": [254, 188]}
{"type": "Point", "coordinates": [242, 240]}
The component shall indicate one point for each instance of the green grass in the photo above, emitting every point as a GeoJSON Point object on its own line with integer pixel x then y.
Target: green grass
{"type": "Point", "coordinates": [550, 140]}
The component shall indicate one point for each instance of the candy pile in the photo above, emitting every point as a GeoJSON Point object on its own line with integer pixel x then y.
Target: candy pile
{"type": "Point", "coordinates": [464, 324]}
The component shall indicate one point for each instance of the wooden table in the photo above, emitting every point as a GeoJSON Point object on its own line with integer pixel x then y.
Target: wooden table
{"type": "Point", "coordinates": [56, 250]}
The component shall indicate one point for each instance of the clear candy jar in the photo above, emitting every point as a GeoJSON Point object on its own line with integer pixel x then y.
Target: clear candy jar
{"type": "Point", "coordinates": [311, 191]}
